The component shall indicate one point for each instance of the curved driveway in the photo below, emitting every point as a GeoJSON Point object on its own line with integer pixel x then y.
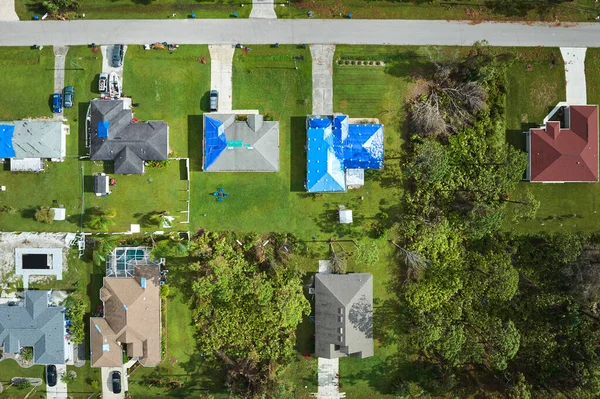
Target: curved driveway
{"type": "Point", "coordinates": [311, 31]}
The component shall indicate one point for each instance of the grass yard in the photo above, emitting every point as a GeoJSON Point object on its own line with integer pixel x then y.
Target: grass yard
{"type": "Point", "coordinates": [142, 9]}
{"type": "Point", "coordinates": [9, 368]}
{"type": "Point", "coordinates": [136, 197]}
{"type": "Point", "coordinates": [83, 68]}
{"type": "Point", "coordinates": [578, 10]}
{"type": "Point", "coordinates": [59, 184]}
{"type": "Point", "coordinates": [171, 87]}
{"type": "Point", "coordinates": [28, 75]}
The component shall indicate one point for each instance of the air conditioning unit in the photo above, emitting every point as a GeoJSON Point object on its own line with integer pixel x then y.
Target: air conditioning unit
{"type": "Point", "coordinates": [311, 291]}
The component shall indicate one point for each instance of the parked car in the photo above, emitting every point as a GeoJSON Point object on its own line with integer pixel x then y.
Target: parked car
{"type": "Point", "coordinates": [214, 100]}
{"type": "Point", "coordinates": [69, 96]}
{"type": "Point", "coordinates": [117, 58]}
{"type": "Point", "coordinates": [116, 381]}
{"type": "Point", "coordinates": [51, 375]}
{"type": "Point", "coordinates": [103, 83]}
{"type": "Point", "coordinates": [56, 103]}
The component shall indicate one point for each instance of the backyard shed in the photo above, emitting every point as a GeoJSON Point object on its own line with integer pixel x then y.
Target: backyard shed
{"type": "Point", "coordinates": [59, 213]}
{"type": "Point", "coordinates": [101, 188]}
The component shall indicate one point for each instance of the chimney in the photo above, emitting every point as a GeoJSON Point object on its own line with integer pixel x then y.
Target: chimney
{"type": "Point", "coordinates": [255, 121]}
{"type": "Point", "coordinates": [553, 129]}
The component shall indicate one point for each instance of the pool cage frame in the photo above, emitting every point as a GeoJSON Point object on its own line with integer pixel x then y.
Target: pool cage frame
{"type": "Point", "coordinates": [113, 260]}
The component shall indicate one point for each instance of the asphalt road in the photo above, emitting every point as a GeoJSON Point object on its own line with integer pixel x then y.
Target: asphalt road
{"type": "Point", "coordinates": [310, 31]}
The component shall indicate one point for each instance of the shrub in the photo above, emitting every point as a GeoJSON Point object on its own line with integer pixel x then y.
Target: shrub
{"type": "Point", "coordinates": [352, 62]}
{"type": "Point", "coordinates": [44, 214]}
{"type": "Point", "coordinates": [26, 353]}
{"type": "Point", "coordinates": [347, 62]}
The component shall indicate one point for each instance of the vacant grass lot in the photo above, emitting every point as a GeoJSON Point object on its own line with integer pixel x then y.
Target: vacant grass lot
{"type": "Point", "coordinates": [28, 79]}
{"type": "Point", "coordinates": [578, 10]}
{"type": "Point", "coordinates": [142, 9]}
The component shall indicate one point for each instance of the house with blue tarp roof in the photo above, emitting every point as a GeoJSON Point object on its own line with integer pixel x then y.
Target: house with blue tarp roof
{"type": "Point", "coordinates": [27, 143]}
{"type": "Point", "coordinates": [338, 151]}
{"type": "Point", "coordinates": [235, 143]}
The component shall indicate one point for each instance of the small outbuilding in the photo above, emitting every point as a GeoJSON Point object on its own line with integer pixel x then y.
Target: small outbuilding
{"type": "Point", "coordinates": [345, 215]}
{"type": "Point", "coordinates": [59, 213]}
{"type": "Point", "coordinates": [101, 188]}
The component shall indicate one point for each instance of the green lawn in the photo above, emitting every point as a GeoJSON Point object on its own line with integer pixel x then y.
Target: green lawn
{"type": "Point", "coordinates": [578, 10]}
{"type": "Point", "coordinates": [31, 76]}
{"type": "Point", "coordinates": [170, 86]}
{"type": "Point", "coordinates": [9, 368]}
{"type": "Point", "coordinates": [142, 9]}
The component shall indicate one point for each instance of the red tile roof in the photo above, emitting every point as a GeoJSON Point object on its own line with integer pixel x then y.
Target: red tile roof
{"type": "Point", "coordinates": [566, 155]}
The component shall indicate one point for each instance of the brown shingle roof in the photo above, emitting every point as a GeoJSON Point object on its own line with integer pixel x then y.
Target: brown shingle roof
{"type": "Point", "coordinates": [564, 155]}
{"type": "Point", "coordinates": [131, 316]}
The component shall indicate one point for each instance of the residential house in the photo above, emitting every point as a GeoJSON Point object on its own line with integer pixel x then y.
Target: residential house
{"type": "Point", "coordinates": [114, 135]}
{"type": "Point", "coordinates": [27, 143]}
{"type": "Point", "coordinates": [565, 148]}
{"type": "Point", "coordinates": [343, 315]}
{"type": "Point", "coordinates": [338, 152]}
{"type": "Point", "coordinates": [36, 324]}
{"type": "Point", "coordinates": [240, 144]}
{"type": "Point", "coordinates": [131, 321]}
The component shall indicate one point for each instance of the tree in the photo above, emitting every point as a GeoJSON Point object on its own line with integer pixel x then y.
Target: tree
{"type": "Point", "coordinates": [337, 260]}
{"type": "Point", "coordinates": [26, 353]}
{"type": "Point", "coordinates": [69, 377]}
{"type": "Point", "coordinates": [246, 314]}
{"type": "Point", "coordinates": [44, 214]}
{"type": "Point", "coordinates": [53, 6]}
{"type": "Point", "coordinates": [102, 219]}
{"type": "Point", "coordinates": [75, 314]}
{"type": "Point", "coordinates": [161, 219]}
{"type": "Point", "coordinates": [367, 254]}
{"type": "Point", "coordinates": [103, 247]}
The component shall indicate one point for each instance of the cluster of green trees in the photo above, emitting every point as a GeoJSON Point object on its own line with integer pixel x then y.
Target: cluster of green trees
{"type": "Point", "coordinates": [246, 299]}
{"type": "Point", "coordinates": [485, 312]}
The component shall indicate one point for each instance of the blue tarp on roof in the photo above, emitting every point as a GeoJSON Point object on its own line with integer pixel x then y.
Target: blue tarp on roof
{"type": "Point", "coordinates": [334, 145]}
{"type": "Point", "coordinates": [6, 146]}
{"type": "Point", "coordinates": [214, 141]}
{"type": "Point", "coordinates": [103, 129]}
{"type": "Point", "coordinates": [325, 169]}
{"type": "Point", "coordinates": [364, 147]}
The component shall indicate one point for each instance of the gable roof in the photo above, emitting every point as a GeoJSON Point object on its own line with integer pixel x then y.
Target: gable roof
{"type": "Point", "coordinates": [32, 139]}
{"type": "Point", "coordinates": [37, 325]}
{"type": "Point", "coordinates": [131, 316]}
{"type": "Point", "coordinates": [344, 315]}
{"type": "Point", "coordinates": [334, 144]}
{"type": "Point", "coordinates": [115, 138]}
{"type": "Point", "coordinates": [566, 155]}
{"type": "Point", "coordinates": [240, 146]}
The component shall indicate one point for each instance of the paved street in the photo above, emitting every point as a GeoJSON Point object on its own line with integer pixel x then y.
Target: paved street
{"type": "Point", "coordinates": [311, 31]}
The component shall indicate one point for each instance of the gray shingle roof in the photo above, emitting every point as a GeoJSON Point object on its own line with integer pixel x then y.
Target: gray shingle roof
{"type": "Point", "coordinates": [38, 139]}
{"type": "Point", "coordinates": [142, 141]}
{"type": "Point", "coordinates": [35, 324]}
{"type": "Point", "coordinates": [259, 149]}
{"type": "Point", "coordinates": [343, 315]}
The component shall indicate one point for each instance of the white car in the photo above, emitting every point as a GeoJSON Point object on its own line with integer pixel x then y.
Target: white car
{"type": "Point", "coordinates": [103, 83]}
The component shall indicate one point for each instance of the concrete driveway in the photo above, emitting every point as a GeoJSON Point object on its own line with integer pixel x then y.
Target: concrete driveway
{"type": "Point", "coordinates": [107, 53]}
{"type": "Point", "coordinates": [574, 59]}
{"type": "Point", "coordinates": [263, 9]}
{"type": "Point", "coordinates": [322, 78]}
{"type": "Point", "coordinates": [60, 57]}
{"type": "Point", "coordinates": [221, 65]}
{"type": "Point", "coordinates": [7, 10]}
{"type": "Point", "coordinates": [59, 391]}
{"type": "Point", "coordinates": [329, 379]}
{"type": "Point", "coordinates": [106, 373]}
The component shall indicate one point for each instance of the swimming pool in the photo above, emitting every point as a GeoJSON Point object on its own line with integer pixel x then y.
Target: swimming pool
{"type": "Point", "coordinates": [124, 256]}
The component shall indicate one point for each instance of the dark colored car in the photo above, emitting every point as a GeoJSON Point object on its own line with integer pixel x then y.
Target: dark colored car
{"type": "Point", "coordinates": [69, 96]}
{"type": "Point", "coordinates": [116, 381]}
{"type": "Point", "coordinates": [56, 103]}
{"type": "Point", "coordinates": [117, 57]}
{"type": "Point", "coordinates": [214, 100]}
{"type": "Point", "coordinates": [51, 375]}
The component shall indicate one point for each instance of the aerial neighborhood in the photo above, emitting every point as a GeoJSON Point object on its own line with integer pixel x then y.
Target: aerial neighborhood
{"type": "Point", "coordinates": [299, 199]}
